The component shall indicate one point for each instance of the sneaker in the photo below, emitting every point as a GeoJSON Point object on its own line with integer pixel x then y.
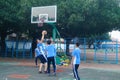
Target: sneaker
{"type": "Point", "coordinates": [74, 79]}
{"type": "Point", "coordinates": [45, 72]}
{"type": "Point", "coordinates": [40, 72]}
{"type": "Point", "coordinates": [54, 74]}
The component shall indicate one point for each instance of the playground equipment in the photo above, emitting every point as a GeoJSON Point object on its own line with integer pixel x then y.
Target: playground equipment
{"type": "Point", "coordinates": [47, 14]}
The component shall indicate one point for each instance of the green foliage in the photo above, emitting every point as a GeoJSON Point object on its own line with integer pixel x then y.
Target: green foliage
{"type": "Point", "coordinates": [88, 17]}
{"type": "Point", "coordinates": [82, 18]}
{"type": "Point", "coordinates": [90, 41]}
{"type": "Point", "coordinates": [64, 58]}
{"type": "Point", "coordinates": [10, 15]}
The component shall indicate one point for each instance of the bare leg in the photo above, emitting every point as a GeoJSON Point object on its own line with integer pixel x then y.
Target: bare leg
{"type": "Point", "coordinates": [45, 66]}
{"type": "Point", "coordinates": [40, 68]}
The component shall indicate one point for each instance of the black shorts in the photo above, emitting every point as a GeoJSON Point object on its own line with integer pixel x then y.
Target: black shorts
{"type": "Point", "coordinates": [43, 59]}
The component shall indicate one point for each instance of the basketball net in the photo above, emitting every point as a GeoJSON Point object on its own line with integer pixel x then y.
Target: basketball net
{"type": "Point", "coordinates": [40, 24]}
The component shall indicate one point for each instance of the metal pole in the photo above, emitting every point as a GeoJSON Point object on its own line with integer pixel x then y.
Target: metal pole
{"type": "Point", "coordinates": [54, 33]}
{"type": "Point", "coordinates": [116, 52]}
{"type": "Point", "coordinates": [85, 49]}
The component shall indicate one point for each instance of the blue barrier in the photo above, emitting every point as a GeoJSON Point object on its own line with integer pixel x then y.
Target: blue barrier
{"type": "Point", "coordinates": [18, 49]}
{"type": "Point", "coordinates": [106, 52]}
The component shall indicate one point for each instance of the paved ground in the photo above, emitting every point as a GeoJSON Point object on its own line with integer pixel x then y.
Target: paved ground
{"type": "Point", "coordinates": [24, 69]}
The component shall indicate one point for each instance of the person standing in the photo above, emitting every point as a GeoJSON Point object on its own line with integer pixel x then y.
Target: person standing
{"type": "Point", "coordinates": [76, 61]}
{"type": "Point", "coordinates": [37, 53]}
{"type": "Point", "coordinates": [51, 53]}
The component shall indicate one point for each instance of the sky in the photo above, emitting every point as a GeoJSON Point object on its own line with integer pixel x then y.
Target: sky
{"type": "Point", "coordinates": [115, 35]}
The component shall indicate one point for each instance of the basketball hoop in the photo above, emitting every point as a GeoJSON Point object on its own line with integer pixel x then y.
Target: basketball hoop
{"type": "Point", "coordinates": [48, 13]}
{"type": "Point", "coordinates": [41, 21]}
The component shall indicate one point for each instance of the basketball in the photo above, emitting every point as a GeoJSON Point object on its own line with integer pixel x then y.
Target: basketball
{"type": "Point", "coordinates": [44, 32]}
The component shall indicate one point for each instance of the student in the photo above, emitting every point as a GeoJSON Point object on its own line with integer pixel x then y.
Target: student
{"type": "Point", "coordinates": [76, 61]}
{"type": "Point", "coordinates": [37, 53]}
{"type": "Point", "coordinates": [51, 53]}
{"type": "Point", "coordinates": [42, 56]}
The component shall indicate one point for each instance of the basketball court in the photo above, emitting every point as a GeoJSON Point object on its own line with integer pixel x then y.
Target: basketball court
{"type": "Point", "coordinates": [24, 69]}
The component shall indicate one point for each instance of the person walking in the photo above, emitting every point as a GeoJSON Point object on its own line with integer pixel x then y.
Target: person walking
{"type": "Point", "coordinates": [51, 53]}
{"type": "Point", "coordinates": [76, 61]}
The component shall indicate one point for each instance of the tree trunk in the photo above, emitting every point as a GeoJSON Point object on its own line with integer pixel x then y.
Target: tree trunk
{"type": "Point", "coordinates": [3, 45]}
{"type": "Point", "coordinates": [67, 47]}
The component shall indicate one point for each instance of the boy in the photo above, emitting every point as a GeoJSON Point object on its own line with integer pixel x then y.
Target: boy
{"type": "Point", "coordinates": [51, 53]}
{"type": "Point", "coordinates": [37, 52]}
{"type": "Point", "coordinates": [76, 61]}
{"type": "Point", "coordinates": [42, 56]}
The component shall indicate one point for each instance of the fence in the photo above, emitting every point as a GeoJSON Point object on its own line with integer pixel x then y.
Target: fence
{"type": "Point", "coordinates": [18, 49]}
{"type": "Point", "coordinates": [107, 51]}
{"type": "Point", "coordinates": [101, 51]}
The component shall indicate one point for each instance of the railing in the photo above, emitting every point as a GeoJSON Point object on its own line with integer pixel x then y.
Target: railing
{"type": "Point", "coordinates": [18, 49]}
{"type": "Point", "coordinates": [105, 52]}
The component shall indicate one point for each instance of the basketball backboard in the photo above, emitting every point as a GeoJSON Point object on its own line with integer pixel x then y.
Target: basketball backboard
{"type": "Point", "coordinates": [45, 13]}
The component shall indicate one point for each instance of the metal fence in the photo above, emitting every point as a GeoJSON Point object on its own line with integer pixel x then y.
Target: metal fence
{"type": "Point", "coordinates": [18, 49]}
{"type": "Point", "coordinates": [101, 51]}
{"type": "Point", "coordinates": [107, 51]}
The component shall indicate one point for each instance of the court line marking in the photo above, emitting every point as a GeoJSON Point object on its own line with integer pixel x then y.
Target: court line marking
{"type": "Point", "coordinates": [65, 78]}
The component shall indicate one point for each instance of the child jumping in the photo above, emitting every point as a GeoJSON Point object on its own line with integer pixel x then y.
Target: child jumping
{"type": "Point", "coordinates": [42, 56]}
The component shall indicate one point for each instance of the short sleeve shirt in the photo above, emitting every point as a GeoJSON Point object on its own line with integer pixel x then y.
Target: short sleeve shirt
{"type": "Point", "coordinates": [41, 48]}
{"type": "Point", "coordinates": [37, 52]}
{"type": "Point", "coordinates": [51, 51]}
{"type": "Point", "coordinates": [76, 54]}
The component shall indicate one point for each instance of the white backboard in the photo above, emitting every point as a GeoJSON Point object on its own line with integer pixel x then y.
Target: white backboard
{"type": "Point", "coordinates": [48, 13]}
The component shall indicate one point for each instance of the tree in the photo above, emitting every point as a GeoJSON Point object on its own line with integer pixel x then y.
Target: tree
{"type": "Point", "coordinates": [9, 12]}
{"type": "Point", "coordinates": [90, 41]}
{"type": "Point", "coordinates": [13, 18]}
{"type": "Point", "coordinates": [81, 18]}
{"type": "Point", "coordinates": [87, 17]}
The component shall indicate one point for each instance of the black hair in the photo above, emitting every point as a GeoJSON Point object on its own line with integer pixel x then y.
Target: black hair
{"type": "Point", "coordinates": [48, 41]}
{"type": "Point", "coordinates": [37, 39]}
{"type": "Point", "coordinates": [77, 44]}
